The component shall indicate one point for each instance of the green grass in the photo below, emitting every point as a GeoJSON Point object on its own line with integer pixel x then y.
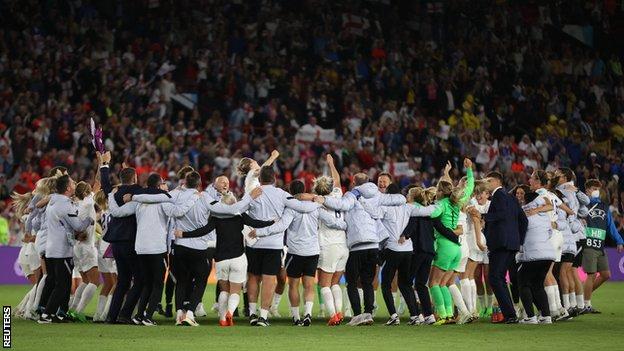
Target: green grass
{"type": "Point", "coordinates": [596, 331]}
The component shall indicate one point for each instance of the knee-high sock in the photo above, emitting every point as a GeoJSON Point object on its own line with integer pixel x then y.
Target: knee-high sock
{"type": "Point", "coordinates": [40, 287]}
{"type": "Point", "coordinates": [73, 304]}
{"type": "Point", "coordinates": [572, 299]}
{"type": "Point", "coordinates": [30, 303]}
{"type": "Point", "coordinates": [448, 300]}
{"type": "Point", "coordinates": [552, 301]}
{"type": "Point", "coordinates": [108, 303]}
{"type": "Point", "coordinates": [308, 308]}
{"type": "Point", "coordinates": [337, 297]}
{"type": "Point", "coordinates": [232, 304]}
{"type": "Point", "coordinates": [558, 297]}
{"type": "Point", "coordinates": [438, 300]}
{"type": "Point", "coordinates": [466, 293]}
{"type": "Point", "coordinates": [101, 305]}
{"type": "Point", "coordinates": [87, 294]}
{"type": "Point", "coordinates": [580, 301]}
{"type": "Point", "coordinates": [458, 299]}
{"type": "Point", "coordinates": [276, 300]}
{"type": "Point", "coordinates": [482, 301]}
{"type": "Point", "coordinates": [473, 294]}
{"type": "Point", "coordinates": [21, 307]}
{"type": "Point", "coordinates": [328, 300]}
{"type": "Point", "coordinates": [345, 300]}
{"type": "Point", "coordinates": [223, 302]}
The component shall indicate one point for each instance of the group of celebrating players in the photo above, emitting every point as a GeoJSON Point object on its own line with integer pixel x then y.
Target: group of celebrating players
{"type": "Point", "coordinates": [432, 246]}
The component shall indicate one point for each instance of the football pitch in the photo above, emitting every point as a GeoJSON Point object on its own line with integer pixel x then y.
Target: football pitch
{"type": "Point", "coordinates": [598, 332]}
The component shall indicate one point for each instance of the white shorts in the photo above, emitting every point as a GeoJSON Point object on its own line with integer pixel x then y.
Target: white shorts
{"type": "Point", "coordinates": [333, 258]}
{"type": "Point", "coordinates": [85, 256]}
{"type": "Point", "coordinates": [29, 259]}
{"type": "Point", "coordinates": [486, 257]}
{"type": "Point", "coordinates": [569, 244]}
{"type": "Point", "coordinates": [105, 265]}
{"type": "Point", "coordinates": [557, 242]}
{"type": "Point", "coordinates": [233, 270]}
{"type": "Point", "coordinates": [465, 252]}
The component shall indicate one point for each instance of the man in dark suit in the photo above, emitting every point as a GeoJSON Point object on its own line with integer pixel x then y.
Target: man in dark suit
{"type": "Point", "coordinates": [505, 224]}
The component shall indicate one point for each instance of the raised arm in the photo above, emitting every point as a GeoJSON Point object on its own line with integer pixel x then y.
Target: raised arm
{"type": "Point", "coordinates": [469, 182]}
{"type": "Point", "coordinates": [334, 221]}
{"type": "Point", "coordinates": [274, 155]}
{"type": "Point", "coordinates": [333, 171]}
{"type": "Point", "coordinates": [446, 176]}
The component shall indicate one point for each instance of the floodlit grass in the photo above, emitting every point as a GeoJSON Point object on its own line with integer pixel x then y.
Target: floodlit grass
{"type": "Point", "coordinates": [598, 332]}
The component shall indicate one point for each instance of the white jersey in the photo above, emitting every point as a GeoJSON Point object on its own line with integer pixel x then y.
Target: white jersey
{"type": "Point", "coordinates": [86, 209]}
{"type": "Point", "coordinates": [330, 236]}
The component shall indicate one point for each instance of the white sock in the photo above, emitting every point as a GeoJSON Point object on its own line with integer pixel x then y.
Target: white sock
{"type": "Point", "coordinates": [101, 305]}
{"type": "Point", "coordinates": [232, 303]}
{"type": "Point", "coordinates": [71, 301]}
{"type": "Point", "coordinates": [264, 313]}
{"type": "Point", "coordinates": [30, 303]}
{"type": "Point", "coordinates": [308, 307]}
{"type": "Point", "coordinates": [345, 296]}
{"type": "Point", "coordinates": [253, 308]}
{"type": "Point", "coordinates": [588, 303]}
{"type": "Point", "coordinates": [328, 301]}
{"type": "Point", "coordinates": [464, 285]}
{"type": "Point", "coordinates": [481, 299]}
{"type": "Point", "coordinates": [276, 300]}
{"type": "Point", "coordinates": [557, 297]}
{"type": "Point", "coordinates": [566, 301]}
{"type": "Point", "coordinates": [572, 300]}
{"type": "Point", "coordinates": [109, 298]}
{"type": "Point", "coordinates": [190, 315]}
{"type": "Point", "coordinates": [337, 294]}
{"type": "Point", "coordinates": [552, 302]}
{"type": "Point", "coordinates": [394, 296]}
{"type": "Point", "coordinates": [491, 299]}
{"type": "Point", "coordinates": [473, 294]}
{"type": "Point", "coordinates": [361, 294]}
{"type": "Point", "coordinates": [295, 312]}
{"type": "Point", "coordinates": [87, 294]}
{"type": "Point", "coordinates": [402, 301]}
{"type": "Point", "coordinates": [21, 307]}
{"type": "Point", "coordinates": [40, 290]}
{"type": "Point", "coordinates": [77, 296]}
{"type": "Point", "coordinates": [580, 301]}
{"type": "Point", "coordinates": [223, 302]}
{"type": "Point", "coordinates": [458, 299]}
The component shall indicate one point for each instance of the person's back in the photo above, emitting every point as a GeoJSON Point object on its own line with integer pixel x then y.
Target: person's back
{"type": "Point", "coordinates": [536, 245]}
{"type": "Point", "coordinates": [151, 236]}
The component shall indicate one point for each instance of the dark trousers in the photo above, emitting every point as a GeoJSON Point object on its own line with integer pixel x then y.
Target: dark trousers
{"type": "Point", "coordinates": [153, 268]}
{"type": "Point", "coordinates": [191, 268]}
{"type": "Point", "coordinates": [60, 279]}
{"type": "Point", "coordinates": [421, 267]}
{"type": "Point", "coordinates": [400, 262]}
{"type": "Point", "coordinates": [499, 264]}
{"type": "Point", "coordinates": [361, 267]}
{"type": "Point", "coordinates": [129, 283]}
{"type": "Point", "coordinates": [49, 285]}
{"type": "Point", "coordinates": [514, 285]}
{"type": "Point", "coordinates": [531, 277]}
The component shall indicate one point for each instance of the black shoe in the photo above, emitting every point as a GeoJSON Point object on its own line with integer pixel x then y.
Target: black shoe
{"type": "Point", "coordinates": [148, 322]}
{"type": "Point", "coordinates": [512, 320]}
{"type": "Point", "coordinates": [160, 310]}
{"type": "Point", "coordinates": [307, 320]}
{"type": "Point", "coordinates": [122, 320]}
{"type": "Point", "coordinates": [592, 310]}
{"type": "Point", "coordinates": [253, 320]}
{"type": "Point", "coordinates": [169, 311]}
{"type": "Point", "coordinates": [297, 322]}
{"type": "Point", "coordinates": [573, 312]}
{"type": "Point", "coordinates": [44, 319]}
{"type": "Point", "coordinates": [59, 319]}
{"type": "Point", "coordinates": [136, 320]}
{"type": "Point", "coordinates": [262, 322]}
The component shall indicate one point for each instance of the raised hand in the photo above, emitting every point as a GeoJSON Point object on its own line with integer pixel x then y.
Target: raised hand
{"type": "Point", "coordinates": [275, 154]}
{"type": "Point", "coordinates": [330, 159]}
{"type": "Point", "coordinates": [467, 163]}
{"type": "Point", "coordinates": [256, 192]}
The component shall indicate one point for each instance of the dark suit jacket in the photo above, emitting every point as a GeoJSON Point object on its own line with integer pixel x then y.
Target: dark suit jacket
{"type": "Point", "coordinates": [122, 229]}
{"type": "Point", "coordinates": [505, 222]}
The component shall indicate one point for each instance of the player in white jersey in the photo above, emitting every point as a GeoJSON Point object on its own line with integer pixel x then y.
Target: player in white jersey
{"type": "Point", "coordinates": [334, 250]}
{"type": "Point", "coordinates": [85, 254]}
{"type": "Point", "coordinates": [106, 265]}
{"type": "Point", "coordinates": [475, 241]}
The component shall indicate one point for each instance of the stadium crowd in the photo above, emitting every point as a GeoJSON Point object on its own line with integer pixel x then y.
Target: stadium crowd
{"type": "Point", "coordinates": [411, 85]}
{"type": "Point", "coordinates": [192, 96]}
